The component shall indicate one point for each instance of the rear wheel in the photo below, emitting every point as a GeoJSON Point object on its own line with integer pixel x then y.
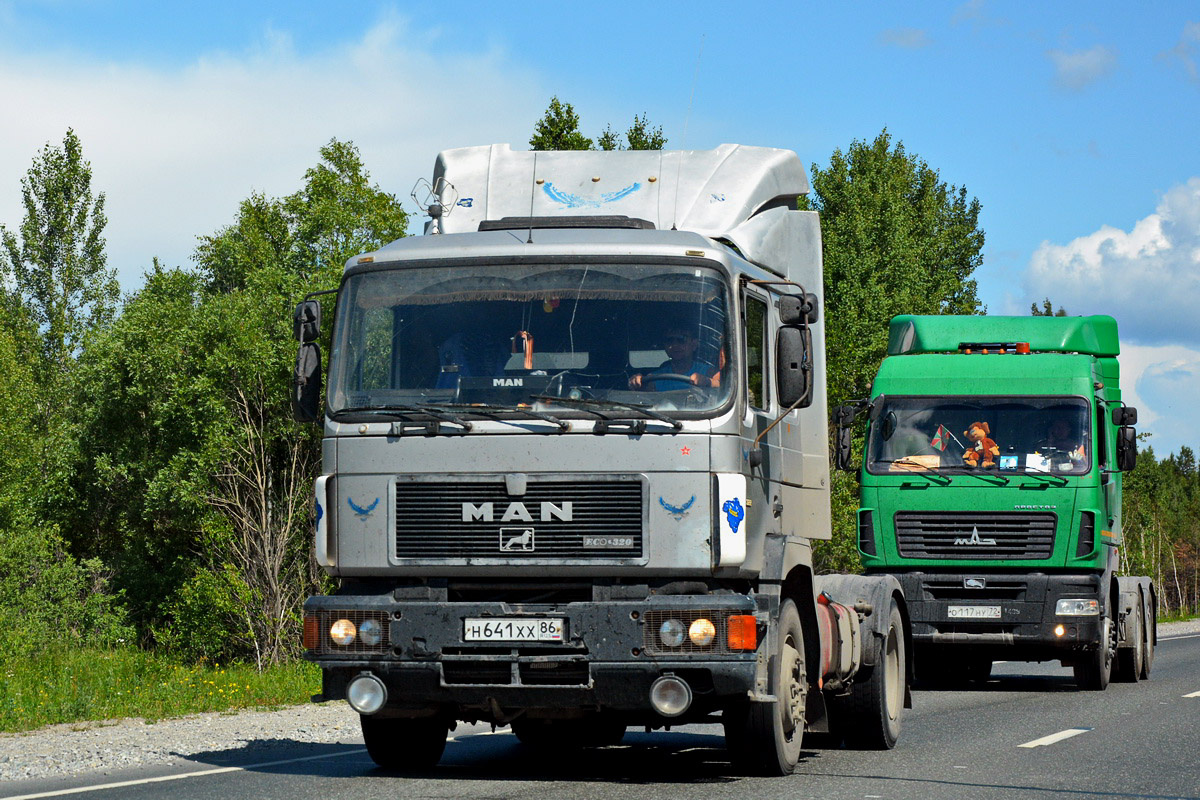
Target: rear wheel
{"type": "Point", "coordinates": [1149, 634]}
{"type": "Point", "coordinates": [765, 738]}
{"type": "Point", "coordinates": [871, 714]}
{"type": "Point", "coordinates": [1130, 659]}
{"type": "Point", "coordinates": [978, 670]}
{"type": "Point", "coordinates": [1093, 670]}
{"type": "Point", "coordinates": [405, 745]}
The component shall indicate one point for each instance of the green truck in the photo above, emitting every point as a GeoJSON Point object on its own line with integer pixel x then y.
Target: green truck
{"type": "Point", "coordinates": [991, 490]}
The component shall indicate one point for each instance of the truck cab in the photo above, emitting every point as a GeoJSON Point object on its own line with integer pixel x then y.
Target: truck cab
{"type": "Point", "coordinates": [991, 489]}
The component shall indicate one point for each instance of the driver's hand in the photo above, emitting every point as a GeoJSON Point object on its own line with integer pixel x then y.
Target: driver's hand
{"type": "Point", "coordinates": [700, 380]}
{"type": "Point", "coordinates": [635, 382]}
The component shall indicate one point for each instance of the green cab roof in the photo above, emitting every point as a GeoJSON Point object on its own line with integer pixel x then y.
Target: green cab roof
{"type": "Point", "coordinates": [1094, 335]}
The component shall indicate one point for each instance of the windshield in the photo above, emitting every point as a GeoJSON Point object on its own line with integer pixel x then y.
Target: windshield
{"type": "Point", "coordinates": [573, 338]}
{"type": "Point", "coordinates": [1000, 434]}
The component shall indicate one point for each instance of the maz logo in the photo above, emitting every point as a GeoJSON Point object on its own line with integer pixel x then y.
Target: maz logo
{"type": "Point", "coordinates": [974, 541]}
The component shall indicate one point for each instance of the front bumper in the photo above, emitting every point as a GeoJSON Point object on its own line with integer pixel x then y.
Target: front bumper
{"type": "Point", "coordinates": [609, 656]}
{"type": "Point", "coordinates": [1026, 627]}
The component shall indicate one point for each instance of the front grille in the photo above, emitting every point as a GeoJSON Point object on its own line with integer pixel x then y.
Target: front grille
{"type": "Point", "coordinates": [605, 520]}
{"type": "Point", "coordinates": [975, 534]}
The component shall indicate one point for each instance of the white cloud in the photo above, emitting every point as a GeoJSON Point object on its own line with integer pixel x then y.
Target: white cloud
{"type": "Point", "coordinates": [906, 38]}
{"type": "Point", "coordinates": [1147, 277]}
{"type": "Point", "coordinates": [1078, 69]}
{"type": "Point", "coordinates": [1162, 382]}
{"type": "Point", "coordinates": [176, 150]}
{"type": "Point", "coordinates": [1184, 53]}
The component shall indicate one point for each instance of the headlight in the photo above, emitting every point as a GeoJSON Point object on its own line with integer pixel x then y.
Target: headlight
{"type": "Point", "coordinates": [702, 632]}
{"type": "Point", "coordinates": [342, 632]}
{"type": "Point", "coordinates": [370, 632]}
{"type": "Point", "coordinates": [1077, 608]}
{"type": "Point", "coordinates": [671, 633]}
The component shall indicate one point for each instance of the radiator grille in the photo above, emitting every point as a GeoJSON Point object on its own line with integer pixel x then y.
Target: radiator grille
{"type": "Point", "coordinates": [975, 534]}
{"type": "Point", "coordinates": [605, 520]}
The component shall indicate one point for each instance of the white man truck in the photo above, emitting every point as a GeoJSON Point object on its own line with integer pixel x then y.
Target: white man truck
{"type": "Point", "coordinates": [575, 456]}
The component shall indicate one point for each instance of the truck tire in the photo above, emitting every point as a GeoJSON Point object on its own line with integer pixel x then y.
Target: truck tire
{"type": "Point", "coordinates": [1093, 669]}
{"type": "Point", "coordinates": [1128, 668]}
{"type": "Point", "coordinates": [871, 714]}
{"type": "Point", "coordinates": [405, 745]}
{"type": "Point", "coordinates": [1149, 634]}
{"type": "Point", "coordinates": [765, 738]}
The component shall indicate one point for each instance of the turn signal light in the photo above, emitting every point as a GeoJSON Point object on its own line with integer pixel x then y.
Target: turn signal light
{"type": "Point", "coordinates": [312, 633]}
{"type": "Point", "coordinates": [743, 632]}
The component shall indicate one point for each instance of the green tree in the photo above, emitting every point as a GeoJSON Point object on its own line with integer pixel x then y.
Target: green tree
{"type": "Point", "coordinates": [56, 258]}
{"type": "Point", "coordinates": [1047, 309]}
{"type": "Point", "coordinates": [558, 129]}
{"type": "Point", "coordinates": [897, 240]}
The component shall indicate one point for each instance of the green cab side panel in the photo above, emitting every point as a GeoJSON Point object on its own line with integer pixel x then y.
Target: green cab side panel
{"type": "Point", "coordinates": [1094, 335]}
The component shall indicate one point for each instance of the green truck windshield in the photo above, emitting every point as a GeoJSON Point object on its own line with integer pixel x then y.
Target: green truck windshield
{"type": "Point", "coordinates": [994, 433]}
{"type": "Point", "coordinates": [520, 336]}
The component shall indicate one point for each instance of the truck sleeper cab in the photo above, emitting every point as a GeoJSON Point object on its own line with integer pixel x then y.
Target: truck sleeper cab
{"type": "Point", "coordinates": [572, 465]}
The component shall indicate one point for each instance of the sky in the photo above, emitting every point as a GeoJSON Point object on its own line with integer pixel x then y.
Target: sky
{"type": "Point", "coordinates": [1074, 123]}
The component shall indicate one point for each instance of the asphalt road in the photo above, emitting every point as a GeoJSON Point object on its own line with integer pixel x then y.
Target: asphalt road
{"type": "Point", "coordinates": [1131, 741]}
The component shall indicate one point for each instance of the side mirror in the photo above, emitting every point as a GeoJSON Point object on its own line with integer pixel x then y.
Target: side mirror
{"type": "Point", "coordinates": [1126, 448]}
{"type": "Point", "coordinates": [1124, 415]}
{"type": "Point", "coordinates": [843, 452]}
{"type": "Point", "coordinates": [306, 384]}
{"type": "Point", "coordinates": [793, 366]}
{"type": "Point", "coordinates": [306, 322]}
{"type": "Point", "coordinates": [796, 309]}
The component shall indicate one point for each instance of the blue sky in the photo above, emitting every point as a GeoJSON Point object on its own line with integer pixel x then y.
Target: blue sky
{"type": "Point", "coordinates": [1075, 124]}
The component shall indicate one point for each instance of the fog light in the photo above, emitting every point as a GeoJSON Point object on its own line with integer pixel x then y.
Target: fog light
{"type": "Point", "coordinates": [370, 632]}
{"type": "Point", "coordinates": [671, 633]}
{"type": "Point", "coordinates": [1059, 630]}
{"type": "Point", "coordinates": [342, 632]}
{"type": "Point", "coordinates": [670, 696]}
{"type": "Point", "coordinates": [366, 694]}
{"type": "Point", "coordinates": [1077, 608]}
{"type": "Point", "coordinates": [702, 632]}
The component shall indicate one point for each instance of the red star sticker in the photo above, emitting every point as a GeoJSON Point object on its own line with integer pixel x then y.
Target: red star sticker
{"type": "Point", "coordinates": [687, 451]}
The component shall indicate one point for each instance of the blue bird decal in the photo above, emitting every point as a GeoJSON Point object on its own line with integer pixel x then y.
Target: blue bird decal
{"type": "Point", "coordinates": [575, 201]}
{"type": "Point", "coordinates": [677, 511]}
{"type": "Point", "coordinates": [363, 513]}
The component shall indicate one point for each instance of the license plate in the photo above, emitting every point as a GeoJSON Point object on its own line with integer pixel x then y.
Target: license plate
{"type": "Point", "coordinates": [974, 612]}
{"type": "Point", "coordinates": [514, 629]}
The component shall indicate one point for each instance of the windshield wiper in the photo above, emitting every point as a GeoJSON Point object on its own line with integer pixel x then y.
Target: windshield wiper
{"type": "Point", "coordinates": [987, 477]}
{"type": "Point", "coordinates": [925, 472]}
{"type": "Point", "coordinates": [1038, 471]}
{"type": "Point", "coordinates": [402, 424]}
{"type": "Point", "coordinates": [495, 412]}
{"type": "Point", "coordinates": [604, 423]}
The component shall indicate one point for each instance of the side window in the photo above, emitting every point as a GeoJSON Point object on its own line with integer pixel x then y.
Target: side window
{"type": "Point", "coordinates": [1101, 438]}
{"type": "Point", "coordinates": [756, 351]}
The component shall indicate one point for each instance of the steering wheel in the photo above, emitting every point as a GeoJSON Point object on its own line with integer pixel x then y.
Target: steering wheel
{"type": "Point", "coordinates": [667, 376]}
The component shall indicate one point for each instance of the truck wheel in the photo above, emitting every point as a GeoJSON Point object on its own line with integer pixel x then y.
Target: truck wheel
{"type": "Point", "coordinates": [1130, 659]}
{"type": "Point", "coordinates": [405, 745]}
{"type": "Point", "coordinates": [871, 714]}
{"type": "Point", "coordinates": [1149, 634]}
{"type": "Point", "coordinates": [765, 738]}
{"type": "Point", "coordinates": [978, 670]}
{"type": "Point", "coordinates": [1093, 670]}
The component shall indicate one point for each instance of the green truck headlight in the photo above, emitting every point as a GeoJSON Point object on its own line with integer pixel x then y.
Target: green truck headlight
{"type": "Point", "coordinates": [1077, 608]}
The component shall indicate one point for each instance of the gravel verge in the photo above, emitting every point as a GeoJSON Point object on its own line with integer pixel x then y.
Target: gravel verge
{"type": "Point", "coordinates": [101, 747]}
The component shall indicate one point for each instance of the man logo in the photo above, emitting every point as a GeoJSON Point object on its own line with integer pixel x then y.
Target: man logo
{"type": "Point", "coordinates": [516, 540]}
{"type": "Point", "coordinates": [516, 512]}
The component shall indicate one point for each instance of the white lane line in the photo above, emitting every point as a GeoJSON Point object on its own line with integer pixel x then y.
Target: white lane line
{"type": "Point", "coordinates": [1055, 737]}
{"type": "Point", "coordinates": [182, 776]}
{"type": "Point", "coordinates": [1193, 694]}
{"type": "Point", "coordinates": [1179, 636]}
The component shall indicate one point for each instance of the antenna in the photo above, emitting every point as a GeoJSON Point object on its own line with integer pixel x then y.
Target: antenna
{"type": "Point", "coordinates": [687, 117]}
{"type": "Point", "coordinates": [532, 191]}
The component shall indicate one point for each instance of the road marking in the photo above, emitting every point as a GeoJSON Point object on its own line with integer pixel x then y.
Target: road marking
{"type": "Point", "coordinates": [165, 778]}
{"type": "Point", "coordinates": [1055, 737]}
{"type": "Point", "coordinates": [1193, 694]}
{"type": "Point", "coordinates": [1179, 636]}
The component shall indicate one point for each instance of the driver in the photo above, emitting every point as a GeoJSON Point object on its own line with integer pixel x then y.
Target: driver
{"type": "Point", "coordinates": [1062, 437]}
{"type": "Point", "coordinates": [680, 344]}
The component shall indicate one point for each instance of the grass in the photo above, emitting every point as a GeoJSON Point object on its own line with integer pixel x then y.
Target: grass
{"type": "Point", "coordinates": [63, 684]}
